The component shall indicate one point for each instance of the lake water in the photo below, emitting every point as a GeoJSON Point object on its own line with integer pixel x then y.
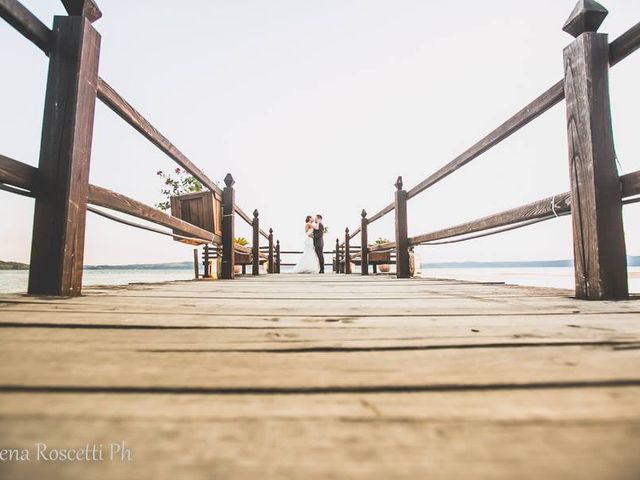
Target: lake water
{"type": "Point", "coordinates": [15, 281]}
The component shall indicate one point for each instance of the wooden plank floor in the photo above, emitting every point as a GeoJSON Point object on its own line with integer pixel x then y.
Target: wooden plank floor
{"type": "Point", "coordinates": [321, 377]}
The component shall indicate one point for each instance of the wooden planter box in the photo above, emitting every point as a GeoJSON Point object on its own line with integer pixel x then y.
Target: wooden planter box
{"type": "Point", "coordinates": [380, 257]}
{"type": "Point", "coordinates": [202, 209]}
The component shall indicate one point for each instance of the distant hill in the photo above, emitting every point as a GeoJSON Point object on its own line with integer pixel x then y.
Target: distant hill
{"type": "Point", "coordinates": [13, 266]}
{"type": "Point", "coordinates": [632, 261]}
{"type": "Point", "coordinates": [142, 266]}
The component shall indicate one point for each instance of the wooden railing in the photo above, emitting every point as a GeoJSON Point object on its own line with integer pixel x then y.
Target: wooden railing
{"type": "Point", "coordinates": [597, 191]}
{"type": "Point", "coordinates": [60, 184]}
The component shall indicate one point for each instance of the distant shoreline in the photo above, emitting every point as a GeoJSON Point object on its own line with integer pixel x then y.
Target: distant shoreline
{"type": "Point", "coordinates": [632, 261]}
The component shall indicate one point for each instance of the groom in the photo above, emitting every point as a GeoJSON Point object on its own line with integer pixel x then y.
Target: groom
{"type": "Point", "coordinates": [318, 241]}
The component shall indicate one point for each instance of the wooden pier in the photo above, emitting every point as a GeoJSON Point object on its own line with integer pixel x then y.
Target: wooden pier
{"type": "Point", "coordinates": [274, 376]}
{"type": "Point", "coordinates": [321, 377]}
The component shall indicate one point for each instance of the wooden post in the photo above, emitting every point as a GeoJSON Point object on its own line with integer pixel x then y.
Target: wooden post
{"type": "Point", "coordinates": [336, 267]}
{"type": "Point", "coordinates": [270, 262]}
{"type": "Point", "coordinates": [278, 256]}
{"type": "Point", "coordinates": [196, 263]}
{"type": "Point", "coordinates": [402, 243]}
{"type": "Point", "coordinates": [596, 205]}
{"type": "Point", "coordinates": [255, 254]}
{"type": "Point", "coordinates": [62, 183]}
{"type": "Point", "coordinates": [206, 265]}
{"type": "Point", "coordinates": [228, 226]}
{"type": "Point", "coordinates": [347, 252]}
{"type": "Point", "coordinates": [364, 244]}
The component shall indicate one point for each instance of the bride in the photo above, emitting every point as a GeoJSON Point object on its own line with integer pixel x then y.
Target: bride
{"type": "Point", "coordinates": [308, 263]}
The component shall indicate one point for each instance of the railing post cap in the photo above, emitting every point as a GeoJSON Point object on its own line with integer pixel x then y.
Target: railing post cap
{"type": "Point", "coordinates": [255, 213]}
{"type": "Point", "coordinates": [229, 181]}
{"type": "Point", "coordinates": [587, 16]}
{"type": "Point", "coordinates": [398, 183]}
{"type": "Point", "coordinates": [346, 230]}
{"type": "Point", "coordinates": [82, 8]}
{"type": "Point", "coordinates": [363, 213]}
{"type": "Point", "coordinates": [271, 231]}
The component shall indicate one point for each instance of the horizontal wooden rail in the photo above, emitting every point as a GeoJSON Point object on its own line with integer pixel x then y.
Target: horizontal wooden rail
{"type": "Point", "coordinates": [619, 49]}
{"type": "Point", "coordinates": [120, 106]}
{"type": "Point", "coordinates": [25, 22]}
{"type": "Point", "coordinates": [560, 203]}
{"type": "Point", "coordinates": [242, 214]}
{"type": "Point", "coordinates": [33, 29]}
{"type": "Point", "coordinates": [18, 174]}
{"type": "Point", "coordinates": [121, 203]}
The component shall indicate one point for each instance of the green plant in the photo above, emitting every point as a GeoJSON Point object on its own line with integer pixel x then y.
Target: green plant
{"type": "Point", "coordinates": [381, 241]}
{"type": "Point", "coordinates": [177, 183]}
{"type": "Point", "coordinates": [241, 241]}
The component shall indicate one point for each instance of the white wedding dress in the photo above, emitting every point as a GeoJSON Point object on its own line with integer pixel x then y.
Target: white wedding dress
{"type": "Point", "coordinates": [309, 262]}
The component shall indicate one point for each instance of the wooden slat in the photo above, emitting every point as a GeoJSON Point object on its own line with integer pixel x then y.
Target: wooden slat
{"type": "Point", "coordinates": [120, 106]}
{"type": "Point", "coordinates": [121, 203]}
{"type": "Point", "coordinates": [25, 22]}
{"type": "Point", "coordinates": [382, 213]}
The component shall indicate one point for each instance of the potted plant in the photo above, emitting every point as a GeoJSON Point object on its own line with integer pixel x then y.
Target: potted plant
{"type": "Point", "coordinates": [243, 257]}
{"type": "Point", "coordinates": [185, 196]}
{"type": "Point", "coordinates": [381, 256]}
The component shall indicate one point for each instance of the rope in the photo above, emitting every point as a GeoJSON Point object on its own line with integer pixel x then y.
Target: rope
{"type": "Point", "coordinates": [144, 227]}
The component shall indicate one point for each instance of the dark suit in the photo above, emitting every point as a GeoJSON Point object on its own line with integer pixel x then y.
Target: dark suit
{"type": "Point", "coordinates": [318, 243]}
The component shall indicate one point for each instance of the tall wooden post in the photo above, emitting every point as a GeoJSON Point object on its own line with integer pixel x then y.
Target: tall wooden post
{"type": "Point", "coordinates": [364, 244]}
{"type": "Point", "coordinates": [596, 205]}
{"type": "Point", "coordinates": [402, 243]}
{"type": "Point", "coordinates": [206, 261]}
{"type": "Point", "coordinates": [347, 252]}
{"type": "Point", "coordinates": [62, 184]}
{"type": "Point", "coordinates": [278, 256]}
{"type": "Point", "coordinates": [196, 264]}
{"type": "Point", "coordinates": [228, 226]}
{"type": "Point", "coordinates": [255, 254]}
{"type": "Point", "coordinates": [270, 261]}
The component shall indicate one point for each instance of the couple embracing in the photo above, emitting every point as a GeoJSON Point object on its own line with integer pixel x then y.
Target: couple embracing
{"type": "Point", "coordinates": [312, 260]}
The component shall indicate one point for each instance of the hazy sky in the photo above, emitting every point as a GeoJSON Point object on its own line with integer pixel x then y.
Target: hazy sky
{"type": "Point", "coordinates": [317, 106]}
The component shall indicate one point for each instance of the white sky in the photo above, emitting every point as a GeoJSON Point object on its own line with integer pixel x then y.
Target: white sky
{"type": "Point", "coordinates": [317, 106]}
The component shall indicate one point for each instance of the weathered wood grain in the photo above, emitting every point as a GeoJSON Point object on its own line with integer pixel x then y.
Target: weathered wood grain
{"type": "Point", "coordinates": [62, 182]}
{"type": "Point", "coordinates": [598, 231]}
{"type": "Point", "coordinates": [340, 375]}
